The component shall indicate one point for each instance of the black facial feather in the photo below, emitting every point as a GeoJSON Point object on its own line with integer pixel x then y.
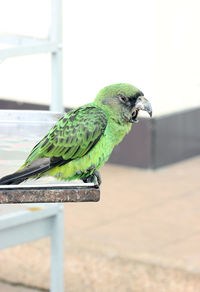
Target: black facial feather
{"type": "Point", "coordinates": [140, 93]}
{"type": "Point", "coordinates": [135, 97]}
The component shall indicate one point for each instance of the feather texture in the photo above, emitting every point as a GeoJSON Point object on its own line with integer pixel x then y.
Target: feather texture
{"type": "Point", "coordinates": [83, 139]}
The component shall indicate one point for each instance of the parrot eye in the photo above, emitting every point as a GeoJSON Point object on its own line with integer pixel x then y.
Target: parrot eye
{"type": "Point", "coordinates": [123, 98]}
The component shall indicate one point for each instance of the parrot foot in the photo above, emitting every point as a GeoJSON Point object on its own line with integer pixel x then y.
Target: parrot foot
{"type": "Point", "coordinates": [95, 178]}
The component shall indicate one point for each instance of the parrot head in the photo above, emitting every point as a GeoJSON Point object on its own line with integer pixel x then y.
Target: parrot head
{"type": "Point", "coordinates": [123, 102]}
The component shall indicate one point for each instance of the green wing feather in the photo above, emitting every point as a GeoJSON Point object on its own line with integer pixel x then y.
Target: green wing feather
{"type": "Point", "coordinates": [73, 136]}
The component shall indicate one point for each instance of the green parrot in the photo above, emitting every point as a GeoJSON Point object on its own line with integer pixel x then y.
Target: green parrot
{"type": "Point", "coordinates": [83, 139]}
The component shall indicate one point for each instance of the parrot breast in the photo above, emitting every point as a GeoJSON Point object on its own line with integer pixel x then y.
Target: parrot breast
{"type": "Point", "coordinates": [96, 158]}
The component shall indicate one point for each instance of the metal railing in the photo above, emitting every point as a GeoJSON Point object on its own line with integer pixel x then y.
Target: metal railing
{"type": "Point", "coordinates": [25, 45]}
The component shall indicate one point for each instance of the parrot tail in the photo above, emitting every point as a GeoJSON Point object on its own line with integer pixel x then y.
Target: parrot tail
{"type": "Point", "coordinates": [36, 168]}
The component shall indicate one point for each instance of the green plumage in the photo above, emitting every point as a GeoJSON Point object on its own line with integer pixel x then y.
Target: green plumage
{"type": "Point", "coordinates": [71, 139]}
{"type": "Point", "coordinates": [83, 139]}
{"type": "Point", "coordinates": [73, 135]}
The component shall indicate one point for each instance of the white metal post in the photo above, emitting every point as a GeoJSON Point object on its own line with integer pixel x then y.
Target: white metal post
{"type": "Point", "coordinates": [56, 57]}
{"type": "Point", "coordinates": [57, 252]}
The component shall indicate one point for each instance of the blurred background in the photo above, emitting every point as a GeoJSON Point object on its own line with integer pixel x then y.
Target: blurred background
{"type": "Point", "coordinates": [144, 233]}
{"type": "Point", "coordinates": [152, 44]}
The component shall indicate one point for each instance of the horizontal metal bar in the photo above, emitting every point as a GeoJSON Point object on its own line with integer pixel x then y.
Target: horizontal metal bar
{"type": "Point", "coordinates": [26, 116]}
{"type": "Point", "coordinates": [26, 232]}
{"type": "Point", "coordinates": [18, 40]}
{"type": "Point", "coordinates": [49, 193]}
{"type": "Point", "coordinates": [47, 186]}
{"type": "Point", "coordinates": [42, 47]}
{"type": "Point", "coordinates": [26, 213]}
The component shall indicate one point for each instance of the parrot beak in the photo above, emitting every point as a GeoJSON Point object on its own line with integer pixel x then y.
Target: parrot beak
{"type": "Point", "coordinates": [141, 104]}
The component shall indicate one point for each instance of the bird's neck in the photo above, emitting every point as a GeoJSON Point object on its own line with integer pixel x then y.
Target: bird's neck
{"type": "Point", "coordinates": [116, 128]}
{"type": "Point", "coordinates": [117, 131]}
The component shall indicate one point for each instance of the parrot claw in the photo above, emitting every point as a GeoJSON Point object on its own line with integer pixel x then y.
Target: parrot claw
{"type": "Point", "coordinates": [95, 178]}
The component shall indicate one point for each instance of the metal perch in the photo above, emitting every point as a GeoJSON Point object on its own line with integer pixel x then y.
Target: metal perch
{"type": "Point", "coordinates": [49, 193]}
{"type": "Point", "coordinates": [32, 125]}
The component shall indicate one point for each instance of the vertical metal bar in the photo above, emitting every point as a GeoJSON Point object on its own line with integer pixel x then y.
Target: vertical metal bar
{"type": "Point", "coordinates": [57, 252]}
{"type": "Point", "coordinates": [56, 57]}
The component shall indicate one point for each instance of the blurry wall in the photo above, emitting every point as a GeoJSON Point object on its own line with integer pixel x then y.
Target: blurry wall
{"type": "Point", "coordinates": [153, 44]}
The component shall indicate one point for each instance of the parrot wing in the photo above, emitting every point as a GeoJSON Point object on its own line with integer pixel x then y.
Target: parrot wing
{"type": "Point", "coordinates": [73, 136]}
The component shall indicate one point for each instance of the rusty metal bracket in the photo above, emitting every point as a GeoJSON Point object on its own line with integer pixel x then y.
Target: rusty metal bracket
{"type": "Point", "coordinates": [49, 193]}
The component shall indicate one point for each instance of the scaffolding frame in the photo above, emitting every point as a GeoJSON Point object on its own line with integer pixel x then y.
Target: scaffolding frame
{"type": "Point", "coordinates": [25, 45]}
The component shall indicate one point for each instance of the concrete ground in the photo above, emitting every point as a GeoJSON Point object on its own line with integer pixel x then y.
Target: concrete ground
{"type": "Point", "coordinates": [143, 236]}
